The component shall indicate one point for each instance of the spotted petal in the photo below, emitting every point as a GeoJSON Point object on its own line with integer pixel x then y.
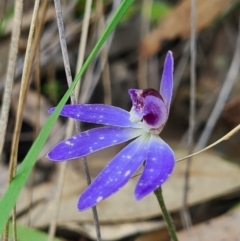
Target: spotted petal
{"type": "Point", "coordinates": [99, 114]}
{"type": "Point", "coordinates": [159, 165]}
{"type": "Point", "coordinates": [167, 80]}
{"type": "Point", "coordinates": [116, 174]}
{"type": "Point", "coordinates": [91, 141]}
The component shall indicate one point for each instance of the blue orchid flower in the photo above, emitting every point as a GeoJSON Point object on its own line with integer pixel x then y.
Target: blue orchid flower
{"type": "Point", "coordinates": [144, 122]}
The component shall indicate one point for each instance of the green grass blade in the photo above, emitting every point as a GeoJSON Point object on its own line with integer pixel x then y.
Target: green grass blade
{"type": "Point", "coordinates": [29, 234]}
{"type": "Point", "coordinates": [10, 197]}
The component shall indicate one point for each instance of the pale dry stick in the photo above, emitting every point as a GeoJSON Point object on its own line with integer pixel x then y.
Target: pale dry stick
{"type": "Point", "coordinates": [224, 138]}
{"type": "Point", "coordinates": [104, 59]}
{"type": "Point", "coordinates": [10, 71]}
{"type": "Point", "coordinates": [22, 96]}
{"type": "Point", "coordinates": [83, 42]}
{"type": "Point", "coordinates": [70, 126]}
{"type": "Point", "coordinates": [142, 73]}
{"type": "Point", "coordinates": [185, 215]}
{"type": "Point", "coordinates": [222, 98]}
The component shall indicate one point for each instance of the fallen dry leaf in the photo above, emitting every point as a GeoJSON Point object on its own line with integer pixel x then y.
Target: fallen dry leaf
{"type": "Point", "coordinates": [177, 23]}
{"type": "Point", "coordinates": [156, 235]}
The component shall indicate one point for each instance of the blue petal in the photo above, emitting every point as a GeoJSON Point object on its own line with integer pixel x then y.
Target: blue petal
{"type": "Point", "coordinates": [116, 174]}
{"type": "Point", "coordinates": [99, 114]}
{"type": "Point", "coordinates": [167, 80]}
{"type": "Point", "coordinates": [91, 141]}
{"type": "Point", "coordinates": [159, 165]}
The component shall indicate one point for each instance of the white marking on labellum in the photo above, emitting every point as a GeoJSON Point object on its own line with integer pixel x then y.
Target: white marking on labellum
{"type": "Point", "coordinates": [128, 157]}
{"type": "Point", "coordinates": [101, 137]}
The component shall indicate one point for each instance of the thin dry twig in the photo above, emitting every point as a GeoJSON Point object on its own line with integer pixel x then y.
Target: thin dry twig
{"type": "Point", "coordinates": [10, 71]}
{"type": "Point", "coordinates": [185, 215]}
{"type": "Point", "coordinates": [222, 98]}
{"type": "Point", "coordinates": [73, 100]}
{"type": "Point", "coordinates": [224, 138]}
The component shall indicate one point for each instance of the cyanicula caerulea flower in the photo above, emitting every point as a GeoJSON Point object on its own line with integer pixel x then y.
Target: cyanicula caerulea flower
{"type": "Point", "coordinates": [143, 123]}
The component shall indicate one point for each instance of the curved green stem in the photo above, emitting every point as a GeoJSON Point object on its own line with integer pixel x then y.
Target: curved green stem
{"type": "Point", "coordinates": [166, 214]}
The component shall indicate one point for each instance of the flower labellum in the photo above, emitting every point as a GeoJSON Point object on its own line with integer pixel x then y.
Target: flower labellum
{"type": "Point", "coordinates": [143, 123]}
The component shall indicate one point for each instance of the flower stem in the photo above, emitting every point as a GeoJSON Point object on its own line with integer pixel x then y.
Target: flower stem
{"type": "Point", "coordinates": [166, 214]}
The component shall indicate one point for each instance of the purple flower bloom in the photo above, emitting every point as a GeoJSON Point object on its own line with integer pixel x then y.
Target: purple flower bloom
{"type": "Point", "coordinates": [143, 123]}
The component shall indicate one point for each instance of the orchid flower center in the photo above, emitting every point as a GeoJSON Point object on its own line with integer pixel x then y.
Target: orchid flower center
{"type": "Point", "coordinates": [148, 107]}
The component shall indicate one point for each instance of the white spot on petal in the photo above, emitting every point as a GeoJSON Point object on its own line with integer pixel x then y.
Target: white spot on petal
{"type": "Point", "coordinates": [127, 173]}
{"type": "Point", "coordinates": [101, 137]}
{"type": "Point", "coordinates": [128, 157]}
{"type": "Point", "coordinates": [99, 199]}
{"type": "Point", "coordinates": [69, 143]}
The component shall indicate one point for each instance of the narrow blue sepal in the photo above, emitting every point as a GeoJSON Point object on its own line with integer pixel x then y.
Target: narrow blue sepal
{"type": "Point", "coordinates": [98, 114]}
{"type": "Point", "coordinates": [90, 141]}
